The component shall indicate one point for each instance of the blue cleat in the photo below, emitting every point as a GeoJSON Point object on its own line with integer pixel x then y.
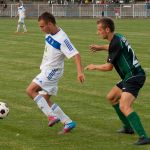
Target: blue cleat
{"type": "Point", "coordinates": [68, 127]}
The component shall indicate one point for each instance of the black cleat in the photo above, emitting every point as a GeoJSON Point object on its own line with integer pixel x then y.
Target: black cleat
{"type": "Point", "coordinates": [143, 141]}
{"type": "Point", "coordinates": [125, 130]}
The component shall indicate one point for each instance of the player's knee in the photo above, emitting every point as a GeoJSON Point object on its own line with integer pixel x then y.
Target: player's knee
{"type": "Point", "coordinates": [29, 91]}
{"type": "Point", "coordinates": [109, 97]}
{"type": "Point", "coordinates": [113, 99]}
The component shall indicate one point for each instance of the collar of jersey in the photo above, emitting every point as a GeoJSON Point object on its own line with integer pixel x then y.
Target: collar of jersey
{"type": "Point", "coordinates": [59, 29]}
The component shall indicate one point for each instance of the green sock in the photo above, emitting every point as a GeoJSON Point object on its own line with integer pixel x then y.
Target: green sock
{"type": "Point", "coordinates": [136, 124]}
{"type": "Point", "coordinates": [122, 117]}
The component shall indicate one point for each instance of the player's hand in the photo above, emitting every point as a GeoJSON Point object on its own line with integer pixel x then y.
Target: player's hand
{"type": "Point", "coordinates": [81, 77]}
{"type": "Point", "coordinates": [94, 48]}
{"type": "Point", "coordinates": [90, 67]}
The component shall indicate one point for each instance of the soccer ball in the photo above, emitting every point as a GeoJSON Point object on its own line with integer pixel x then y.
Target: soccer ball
{"type": "Point", "coordinates": [4, 110]}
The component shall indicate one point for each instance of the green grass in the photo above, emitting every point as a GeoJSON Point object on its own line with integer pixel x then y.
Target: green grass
{"type": "Point", "coordinates": [26, 127]}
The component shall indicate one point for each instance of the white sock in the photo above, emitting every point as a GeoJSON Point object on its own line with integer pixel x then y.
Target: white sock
{"type": "Point", "coordinates": [43, 105]}
{"type": "Point", "coordinates": [60, 114]}
{"type": "Point", "coordinates": [24, 27]}
{"type": "Point", "coordinates": [18, 28]}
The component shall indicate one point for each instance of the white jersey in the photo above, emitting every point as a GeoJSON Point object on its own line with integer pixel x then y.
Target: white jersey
{"type": "Point", "coordinates": [21, 12]}
{"type": "Point", "coordinates": [57, 47]}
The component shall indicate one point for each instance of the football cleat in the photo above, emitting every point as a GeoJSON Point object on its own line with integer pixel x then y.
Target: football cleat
{"type": "Point", "coordinates": [125, 130]}
{"type": "Point", "coordinates": [143, 141]}
{"type": "Point", "coordinates": [68, 127]}
{"type": "Point", "coordinates": [52, 120]}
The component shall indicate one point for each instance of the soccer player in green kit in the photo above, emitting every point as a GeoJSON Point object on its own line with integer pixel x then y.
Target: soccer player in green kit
{"type": "Point", "coordinates": [122, 57]}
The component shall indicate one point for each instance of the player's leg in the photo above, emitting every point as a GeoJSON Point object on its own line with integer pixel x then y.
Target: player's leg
{"type": "Point", "coordinates": [43, 101]}
{"type": "Point", "coordinates": [33, 91]}
{"type": "Point", "coordinates": [113, 97]}
{"type": "Point", "coordinates": [47, 82]}
{"type": "Point", "coordinates": [126, 102]}
{"type": "Point", "coordinates": [65, 119]}
{"type": "Point", "coordinates": [53, 77]}
{"type": "Point", "coordinates": [58, 114]}
{"type": "Point", "coordinates": [18, 26]}
{"type": "Point", "coordinates": [23, 25]}
{"type": "Point", "coordinates": [130, 92]}
{"type": "Point", "coordinates": [52, 118]}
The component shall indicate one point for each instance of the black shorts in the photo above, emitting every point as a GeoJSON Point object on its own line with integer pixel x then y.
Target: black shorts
{"type": "Point", "coordinates": [132, 85]}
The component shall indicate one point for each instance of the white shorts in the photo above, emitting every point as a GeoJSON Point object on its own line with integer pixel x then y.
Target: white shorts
{"type": "Point", "coordinates": [21, 20]}
{"type": "Point", "coordinates": [48, 80]}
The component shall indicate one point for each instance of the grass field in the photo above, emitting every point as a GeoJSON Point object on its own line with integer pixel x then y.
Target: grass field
{"type": "Point", "coordinates": [26, 127]}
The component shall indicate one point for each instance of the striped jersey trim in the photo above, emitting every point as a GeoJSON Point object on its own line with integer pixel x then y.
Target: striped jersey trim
{"type": "Point", "coordinates": [52, 73]}
{"type": "Point", "coordinates": [68, 44]}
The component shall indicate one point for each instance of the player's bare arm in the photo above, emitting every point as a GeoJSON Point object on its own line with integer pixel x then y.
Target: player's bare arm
{"type": "Point", "coordinates": [80, 74]}
{"type": "Point", "coordinates": [16, 15]}
{"type": "Point", "coordinates": [95, 48]}
{"type": "Point", "coordinates": [103, 67]}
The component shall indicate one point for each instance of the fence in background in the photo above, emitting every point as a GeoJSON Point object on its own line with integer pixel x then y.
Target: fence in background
{"type": "Point", "coordinates": [75, 10]}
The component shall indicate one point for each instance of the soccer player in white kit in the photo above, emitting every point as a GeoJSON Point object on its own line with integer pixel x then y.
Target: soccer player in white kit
{"type": "Point", "coordinates": [21, 14]}
{"type": "Point", "coordinates": [57, 47]}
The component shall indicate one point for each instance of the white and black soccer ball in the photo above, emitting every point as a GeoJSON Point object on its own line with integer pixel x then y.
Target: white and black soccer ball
{"type": "Point", "coordinates": [4, 110]}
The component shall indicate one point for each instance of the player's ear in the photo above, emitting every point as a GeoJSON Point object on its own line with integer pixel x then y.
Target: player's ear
{"type": "Point", "coordinates": [49, 24]}
{"type": "Point", "coordinates": [107, 30]}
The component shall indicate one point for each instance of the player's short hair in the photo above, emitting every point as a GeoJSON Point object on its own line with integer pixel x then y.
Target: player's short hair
{"type": "Point", "coordinates": [47, 17]}
{"type": "Point", "coordinates": [107, 23]}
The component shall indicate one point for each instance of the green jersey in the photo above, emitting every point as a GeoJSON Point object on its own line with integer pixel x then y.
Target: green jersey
{"type": "Point", "coordinates": [123, 58]}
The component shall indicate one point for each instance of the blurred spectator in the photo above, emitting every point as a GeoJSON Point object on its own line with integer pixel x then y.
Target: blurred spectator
{"type": "Point", "coordinates": [86, 1]}
{"type": "Point", "coordinates": [102, 2]}
{"type": "Point", "coordinates": [49, 2]}
{"type": "Point", "coordinates": [22, 15]}
{"type": "Point", "coordinates": [3, 4]}
{"type": "Point", "coordinates": [147, 7]}
{"type": "Point", "coordinates": [102, 12]}
{"type": "Point", "coordinates": [80, 2]}
{"type": "Point", "coordinates": [65, 2]}
{"type": "Point", "coordinates": [117, 12]}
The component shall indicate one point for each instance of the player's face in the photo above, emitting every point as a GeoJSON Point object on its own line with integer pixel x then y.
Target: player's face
{"type": "Point", "coordinates": [18, 5]}
{"type": "Point", "coordinates": [103, 32]}
{"type": "Point", "coordinates": [45, 27]}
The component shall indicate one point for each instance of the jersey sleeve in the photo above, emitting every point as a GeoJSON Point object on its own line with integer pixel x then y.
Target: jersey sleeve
{"type": "Point", "coordinates": [114, 50]}
{"type": "Point", "coordinates": [68, 48]}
